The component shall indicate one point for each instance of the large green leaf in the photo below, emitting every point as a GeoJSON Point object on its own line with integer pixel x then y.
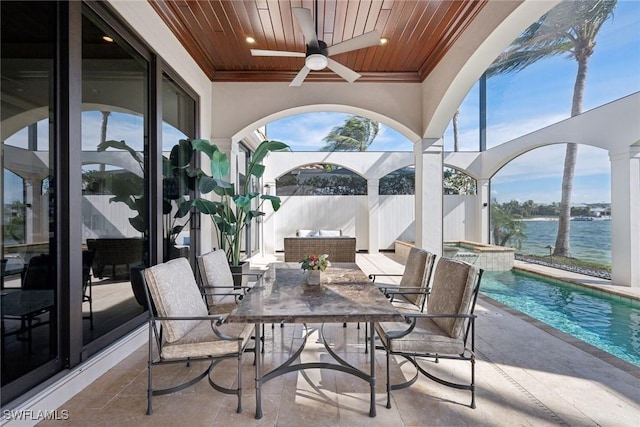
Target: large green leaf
{"type": "Point", "coordinates": [220, 166]}
{"type": "Point", "coordinates": [275, 201]}
{"type": "Point", "coordinates": [265, 147]}
{"type": "Point", "coordinates": [254, 167]}
{"type": "Point", "coordinates": [207, 184]}
{"type": "Point", "coordinates": [251, 215]}
{"type": "Point", "coordinates": [257, 170]}
{"type": "Point", "coordinates": [205, 206]}
{"type": "Point", "coordinates": [244, 201]}
{"type": "Point", "coordinates": [138, 223]}
{"type": "Point", "coordinates": [224, 188]}
{"type": "Point", "coordinates": [204, 146]}
{"type": "Point", "coordinates": [183, 208]}
{"type": "Point", "coordinates": [181, 154]}
{"type": "Point", "coordinates": [166, 207]}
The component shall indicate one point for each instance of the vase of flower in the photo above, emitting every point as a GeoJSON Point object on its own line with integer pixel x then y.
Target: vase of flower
{"type": "Point", "coordinates": [314, 265]}
{"type": "Point", "coordinates": [314, 277]}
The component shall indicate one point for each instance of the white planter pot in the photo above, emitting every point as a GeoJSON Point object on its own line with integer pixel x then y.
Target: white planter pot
{"type": "Point", "coordinates": [313, 277]}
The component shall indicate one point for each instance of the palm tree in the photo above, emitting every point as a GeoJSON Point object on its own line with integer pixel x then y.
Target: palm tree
{"type": "Point", "coordinates": [355, 134]}
{"type": "Point", "coordinates": [568, 29]}
{"type": "Point", "coordinates": [507, 227]}
{"type": "Point", "coordinates": [456, 132]}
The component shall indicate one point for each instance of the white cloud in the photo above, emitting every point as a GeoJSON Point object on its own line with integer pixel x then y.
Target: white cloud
{"type": "Point", "coordinates": [548, 162]}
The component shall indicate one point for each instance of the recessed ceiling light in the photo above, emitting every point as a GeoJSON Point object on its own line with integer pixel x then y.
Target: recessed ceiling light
{"type": "Point", "coordinates": [250, 40]}
{"type": "Point", "coordinates": [107, 39]}
{"type": "Point", "coordinates": [384, 40]}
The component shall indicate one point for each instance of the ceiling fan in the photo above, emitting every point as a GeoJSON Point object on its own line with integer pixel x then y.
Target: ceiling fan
{"type": "Point", "coordinates": [317, 54]}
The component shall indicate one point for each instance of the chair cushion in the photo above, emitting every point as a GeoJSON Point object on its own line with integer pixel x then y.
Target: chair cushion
{"type": "Point", "coordinates": [451, 293]}
{"type": "Point", "coordinates": [414, 273]}
{"type": "Point", "coordinates": [427, 337]}
{"type": "Point", "coordinates": [215, 272]}
{"type": "Point", "coordinates": [175, 294]}
{"type": "Point", "coordinates": [306, 233]}
{"type": "Point", "coordinates": [202, 341]}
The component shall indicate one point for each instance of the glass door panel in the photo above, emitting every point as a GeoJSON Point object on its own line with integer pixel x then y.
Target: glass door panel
{"type": "Point", "coordinates": [28, 280]}
{"type": "Point", "coordinates": [178, 126]}
{"type": "Point", "coordinates": [114, 201]}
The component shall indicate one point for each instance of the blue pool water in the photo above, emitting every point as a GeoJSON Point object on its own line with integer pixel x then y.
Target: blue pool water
{"type": "Point", "coordinates": [609, 323]}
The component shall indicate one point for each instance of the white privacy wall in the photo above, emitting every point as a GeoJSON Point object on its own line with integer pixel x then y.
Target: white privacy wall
{"type": "Point", "coordinates": [397, 220]}
{"type": "Point", "coordinates": [460, 219]}
{"type": "Point", "coordinates": [350, 214]}
{"type": "Point", "coordinates": [346, 213]}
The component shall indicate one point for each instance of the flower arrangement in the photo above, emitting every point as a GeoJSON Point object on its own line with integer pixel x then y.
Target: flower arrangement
{"type": "Point", "coordinates": [315, 262]}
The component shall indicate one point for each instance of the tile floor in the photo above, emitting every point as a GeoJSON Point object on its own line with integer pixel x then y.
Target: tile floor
{"type": "Point", "coordinates": [525, 376]}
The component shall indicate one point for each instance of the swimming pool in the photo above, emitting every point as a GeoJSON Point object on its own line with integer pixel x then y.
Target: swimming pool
{"type": "Point", "coordinates": [609, 323]}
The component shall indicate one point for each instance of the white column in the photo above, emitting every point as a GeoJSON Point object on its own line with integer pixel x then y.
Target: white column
{"type": "Point", "coordinates": [625, 217]}
{"type": "Point", "coordinates": [208, 233]}
{"type": "Point", "coordinates": [373, 200]}
{"type": "Point", "coordinates": [428, 199]}
{"type": "Point", "coordinates": [268, 235]}
{"type": "Point", "coordinates": [484, 196]}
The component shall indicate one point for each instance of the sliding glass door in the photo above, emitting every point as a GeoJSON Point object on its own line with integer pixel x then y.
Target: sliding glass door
{"type": "Point", "coordinates": [30, 312]}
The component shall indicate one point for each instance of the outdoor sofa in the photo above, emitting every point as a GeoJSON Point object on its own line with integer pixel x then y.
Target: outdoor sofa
{"type": "Point", "coordinates": [331, 242]}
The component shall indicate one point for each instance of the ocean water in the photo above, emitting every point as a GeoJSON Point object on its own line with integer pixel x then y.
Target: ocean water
{"type": "Point", "coordinates": [590, 240]}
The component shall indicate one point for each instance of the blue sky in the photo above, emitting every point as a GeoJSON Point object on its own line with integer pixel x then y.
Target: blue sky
{"type": "Point", "coordinates": [520, 103]}
{"type": "Point", "coordinates": [517, 104]}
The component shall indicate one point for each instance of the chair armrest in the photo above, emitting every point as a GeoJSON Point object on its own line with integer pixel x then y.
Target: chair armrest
{"type": "Point", "coordinates": [434, 316]}
{"type": "Point", "coordinates": [411, 318]}
{"type": "Point", "coordinates": [211, 317]}
{"type": "Point", "coordinates": [405, 290]}
{"type": "Point", "coordinates": [216, 321]}
{"type": "Point", "coordinates": [257, 275]}
{"type": "Point", "coordinates": [246, 288]}
{"type": "Point", "coordinates": [204, 290]}
{"type": "Point", "coordinates": [373, 277]}
{"type": "Point", "coordinates": [408, 290]}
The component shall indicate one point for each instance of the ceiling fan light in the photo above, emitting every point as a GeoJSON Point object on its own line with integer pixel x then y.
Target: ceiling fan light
{"type": "Point", "coordinates": [316, 62]}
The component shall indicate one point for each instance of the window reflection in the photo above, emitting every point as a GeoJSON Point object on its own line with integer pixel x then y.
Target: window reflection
{"type": "Point", "coordinates": [178, 127]}
{"type": "Point", "coordinates": [28, 285]}
{"type": "Point", "coordinates": [114, 203]}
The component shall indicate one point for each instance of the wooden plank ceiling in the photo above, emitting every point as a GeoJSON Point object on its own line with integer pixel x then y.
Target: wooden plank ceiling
{"type": "Point", "coordinates": [214, 32]}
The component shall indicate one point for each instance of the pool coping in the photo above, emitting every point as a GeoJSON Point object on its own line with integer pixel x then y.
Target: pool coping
{"type": "Point", "coordinates": [594, 283]}
{"type": "Point", "coordinates": [585, 281]}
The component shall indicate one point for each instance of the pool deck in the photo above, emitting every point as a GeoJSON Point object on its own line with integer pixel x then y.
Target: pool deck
{"type": "Point", "coordinates": [581, 279]}
{"type": "Point", "coordinates": [527, 375]}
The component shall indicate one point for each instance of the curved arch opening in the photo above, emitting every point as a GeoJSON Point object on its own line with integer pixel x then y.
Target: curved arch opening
{"type": "Point", "coordinates": [324, 179]}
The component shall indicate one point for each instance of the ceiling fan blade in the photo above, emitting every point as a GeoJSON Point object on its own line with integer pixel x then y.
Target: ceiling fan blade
{"type": "Point", "coordinates": [305, 21]}
{"type": "Point", "coordinates": [346, 73]}
{"type": "Point", "coordinates": [260, 52]}
{"type": "Point", "coordinates": [299, 78]}
{"type": "Point", "coordinates": [372, 38]}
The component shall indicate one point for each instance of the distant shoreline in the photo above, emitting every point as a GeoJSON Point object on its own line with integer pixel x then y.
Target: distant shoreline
{"type": "Point", "coordinates": [555, 218]}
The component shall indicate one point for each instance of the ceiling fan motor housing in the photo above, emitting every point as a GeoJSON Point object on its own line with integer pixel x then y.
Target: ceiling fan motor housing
{"type": "Point", "coordinates": [321, 49]}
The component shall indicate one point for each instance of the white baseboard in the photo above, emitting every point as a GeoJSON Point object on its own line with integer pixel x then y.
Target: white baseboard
{"type": "Point", "coordinates": [45, 404]}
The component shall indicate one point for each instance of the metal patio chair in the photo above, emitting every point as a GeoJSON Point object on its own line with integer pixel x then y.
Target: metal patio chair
{"type": "Point", "coordinates": [182, 330]}
{"type": "Point", "coordinates": [413, 290]}
{"type": "Point", "coordinates": [445, 331]}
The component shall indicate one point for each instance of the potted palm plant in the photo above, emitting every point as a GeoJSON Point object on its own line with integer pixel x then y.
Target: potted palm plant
{"type": "Point", "coordinates": [237, 206]}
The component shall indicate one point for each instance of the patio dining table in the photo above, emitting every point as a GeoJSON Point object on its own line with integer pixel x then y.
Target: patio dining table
{"type": "Point", "coordinates": [344, 295]}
